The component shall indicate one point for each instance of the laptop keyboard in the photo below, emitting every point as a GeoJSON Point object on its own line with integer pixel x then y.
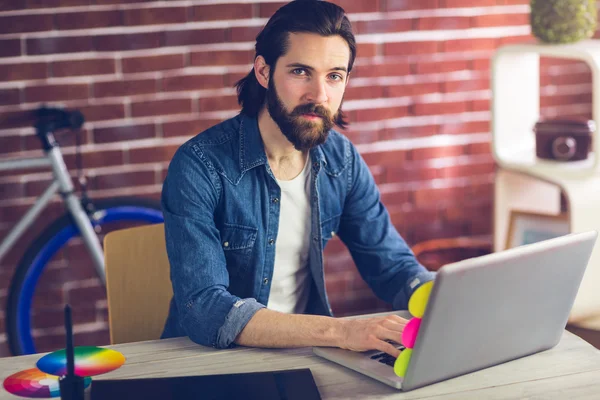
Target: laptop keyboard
{"type": "Point", "coordinates": [385, 358]}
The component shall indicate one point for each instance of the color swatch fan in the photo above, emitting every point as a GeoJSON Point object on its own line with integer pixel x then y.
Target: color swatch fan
{"type": "Point", "coordinates": [34, 383]}
{"type": "Point", "coordinates": [89, 361]}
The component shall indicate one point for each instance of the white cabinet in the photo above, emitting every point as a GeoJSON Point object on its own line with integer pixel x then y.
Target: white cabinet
{"type": "Point", "coordinates": [525, 182]}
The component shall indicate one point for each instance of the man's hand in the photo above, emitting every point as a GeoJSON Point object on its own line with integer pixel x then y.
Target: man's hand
{"type": "Point", "coordinates": [268, 328]}
{"type": "Point", "coordinates": [372, 334]}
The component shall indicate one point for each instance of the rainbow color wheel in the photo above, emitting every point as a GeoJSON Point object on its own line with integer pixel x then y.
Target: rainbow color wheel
{"type": "Point", "coordinates": [89, 361]}
{"type": "Point", "coordinates": [34, 383]}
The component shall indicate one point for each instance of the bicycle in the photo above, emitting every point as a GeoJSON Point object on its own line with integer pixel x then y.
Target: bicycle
{"type": "Point", "coordinates": [83, 217]}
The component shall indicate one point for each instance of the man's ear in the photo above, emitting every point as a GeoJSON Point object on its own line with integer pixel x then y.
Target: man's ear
{"type": "Point", "coordinates": [261, 71]}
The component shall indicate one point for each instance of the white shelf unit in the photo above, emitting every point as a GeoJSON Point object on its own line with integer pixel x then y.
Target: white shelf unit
{"type": "Point", "coordinates": [525, 182]}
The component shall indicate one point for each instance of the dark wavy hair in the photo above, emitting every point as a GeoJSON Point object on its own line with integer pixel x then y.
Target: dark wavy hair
{"type": "Point", "coordinates": [309, 16]}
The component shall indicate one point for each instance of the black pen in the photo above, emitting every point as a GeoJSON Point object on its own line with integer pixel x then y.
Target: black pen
{"type": "Point", "coordinates": [71, 385]}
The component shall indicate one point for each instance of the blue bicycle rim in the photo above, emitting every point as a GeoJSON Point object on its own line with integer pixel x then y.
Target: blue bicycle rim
{"type": "Point", "coordinates": [113, 214]}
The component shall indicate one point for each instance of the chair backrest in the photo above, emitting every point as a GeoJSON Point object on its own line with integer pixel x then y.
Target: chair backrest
{"type": "Point", "coordinates": [138, 284]}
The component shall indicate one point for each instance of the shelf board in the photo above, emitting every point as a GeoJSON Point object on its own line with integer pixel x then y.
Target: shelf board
{"type": "Point", "coordinates": [526, 161]}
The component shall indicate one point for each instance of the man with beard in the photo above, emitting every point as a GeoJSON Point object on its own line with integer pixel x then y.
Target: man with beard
{"type": "Point", "coordinates": [250, 204]}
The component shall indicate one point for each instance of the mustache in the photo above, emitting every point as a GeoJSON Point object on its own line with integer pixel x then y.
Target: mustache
{"type": "Point", "coordinates": [311, 108]}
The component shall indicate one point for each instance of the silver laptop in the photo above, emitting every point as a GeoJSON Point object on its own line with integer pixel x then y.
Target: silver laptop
{"type": "Point", "coordinates": [485, 311]}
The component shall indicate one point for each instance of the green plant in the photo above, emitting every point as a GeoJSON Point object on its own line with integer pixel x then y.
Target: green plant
{"type": "Point", "coordinates": [563, 21]}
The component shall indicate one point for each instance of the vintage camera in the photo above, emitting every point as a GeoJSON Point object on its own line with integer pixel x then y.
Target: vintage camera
{"type": "Point", "coordinates": [563, 139]}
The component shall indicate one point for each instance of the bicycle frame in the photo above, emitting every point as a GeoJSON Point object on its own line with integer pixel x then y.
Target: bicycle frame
{"type": "Point", "coordinates": [63, 185]}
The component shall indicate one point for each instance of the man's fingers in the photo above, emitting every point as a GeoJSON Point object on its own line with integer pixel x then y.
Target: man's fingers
{"type": "Point", "coordinates": [394, 325]}
{"type": "Point", "coordinates": [387, 348]}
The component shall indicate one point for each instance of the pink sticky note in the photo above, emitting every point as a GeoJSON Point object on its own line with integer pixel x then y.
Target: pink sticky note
{"type": "Point", "coordinates": [409, 335]}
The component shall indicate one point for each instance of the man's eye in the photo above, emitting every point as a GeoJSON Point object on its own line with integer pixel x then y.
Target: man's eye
{"type": "Point", "coordinates": [337, 77]}
{"type": "Point", "coordinates": [299, 71]}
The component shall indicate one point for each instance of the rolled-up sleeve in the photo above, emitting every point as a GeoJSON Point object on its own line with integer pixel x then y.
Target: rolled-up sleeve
{"type": "Point", "coordinates": [209, 314]}
{"type": "Point", "coordinates": [382, 257]}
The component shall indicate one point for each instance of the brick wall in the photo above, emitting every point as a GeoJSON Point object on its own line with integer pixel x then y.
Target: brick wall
{"type": "Point", "coordinates": [150, 74]}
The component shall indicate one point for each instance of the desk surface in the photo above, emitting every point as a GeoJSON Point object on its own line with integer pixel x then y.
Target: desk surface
{"type": "Point", "coordinates": [573, 361]}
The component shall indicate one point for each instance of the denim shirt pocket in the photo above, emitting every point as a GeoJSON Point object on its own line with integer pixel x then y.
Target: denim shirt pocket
{"type": "Point", "coordinates": [329, 228]}
{"type": "Point", "coordinates": [237, 242]}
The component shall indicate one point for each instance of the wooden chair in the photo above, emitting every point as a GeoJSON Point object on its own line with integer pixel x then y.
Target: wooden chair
{"type": "Point", "coordinates": [138, 284]}
{"type": "Point", "coordinates": [434, 253]}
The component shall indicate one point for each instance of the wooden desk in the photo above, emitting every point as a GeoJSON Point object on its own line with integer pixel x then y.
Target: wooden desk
{"type": "Point", "coordinates": [571, 370]}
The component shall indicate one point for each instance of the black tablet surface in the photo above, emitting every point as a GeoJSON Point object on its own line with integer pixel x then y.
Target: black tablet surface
{"type": "Point", "coordinates": [295, 384]}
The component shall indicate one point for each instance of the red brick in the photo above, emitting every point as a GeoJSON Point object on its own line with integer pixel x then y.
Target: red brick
{"type": "Point", "coordinates": [56, 3]}
{"type": "Point", "coordinates": [443, 66]}
{"type": "Point", "coordinates": [89, 19]}
{"type": "Point", "coordinates": [467, 170]}
{"type": "Point", "coordinates": [413, 90]}
{"type": "Point", "coordinates": [23, 71]}
{"type": "Point", "coordinates": [383, 26]}
{"type": "Point", "coordinates": [409, 131]}
{"type": "Point", "coordinates": [26, 23]}
{"type": "Point", "coordinates": [428, 153]}
{"type": "Point", "coordinates": [266, 10]}
{"type": "Point", "coordinates": [465, 127]}
{"type": "Point", "coordinates": [401, 5]}
{"type": "Point", "coordinates": [103, 112]}
{"type": "Point", "coordinates": [442, 23]}
{"type": "Point", "coordinates": [220, 12]}
{"type": "Point", "coordinates": [10, 48]}
{"type": "Point", "coordinates": [517, 39]}
{"type": "Point", "coordinates": [480, 105]}
{"type": "Point", "coordinates": [481, 64]}
{"type": "Point", "coordinates": [440, 108]}
{"type": "Point", "coordinates": [192, 82]}
{"type": "Point", "coordinates": [9, 96]}
{"type": "Point", "coordinates": [53, 45]}
{"type": "Point", "coordinates": [426, 197]}
{"type": "Point", "coordinates": [404, 48]}
{"type": "Point", "coordinates": [366, 49]}
{"type": "Point", "coordinates": [385, 157]}
{"type": "Point", "coordinates": [56, 92]}
{"type": "Point", "coordinates": [363, 92]}
{"type": "Point", "coordinates": [409, 173]}
{"type": "Point", "coordinates": [466, 85]}
{"type": "Point", "coordinates": [479, 148]}
{"type": "Point", "coordinates": [153, 16]}
{"type": "Point", "coordinates": [11, 190]}
{"type": "Point", "coordinates": [124, 179]}
{"type": "Point", "coordinates": [161, 107]}
{"type": "Point", "coordinates": [17, 119]}
{"type": "Point", "coordinates": [244, 33]}
{"type": "Point", "coordinates": [459, 45]}
{"type": "Point", "coordinates": [10, 144]}
{"type": "Point", "coordinates": [133, 41]}
{"type": "Point", "coordinates": [379, 70]}
{"type": "Point", "coordinates": [379, 114]}
{"type": "Point", "coordinates": [187, 128]}
{"type": "Point", "coordinates": [83, 67]}
{"type": "Point", "coordinates": [153, 63]}
{"type": "Point", "coordinates": [232, 78]}
{"type": "Point", "coordinates": [353, 6]}
{"type": "Point", "coordinates": [122, 134]}
{"type": "Point", "coordinates": [557, 100]}
{"type": "Point", "coordinates": [233, 57]}
{"type": "Point", "coordinates": [467, 3]}
{"type": "Point", "coordinates": [152, 154]}
{"type": "Point", "coordinates": [7, 5]}
{"type": "Point", "coordinates": [129, 87]}
{"type": "Point", "coordinates": [195, 36]}
{"type": "Point", "coordinates": [566, 79]}
{"type": "Point", "coordinates": [218, 103]}
{"type": "Point", "coordinates": [500, 20]}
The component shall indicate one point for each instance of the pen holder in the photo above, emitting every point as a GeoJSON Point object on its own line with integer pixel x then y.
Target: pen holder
{"type": "Point", "coordinates": [73, 388]}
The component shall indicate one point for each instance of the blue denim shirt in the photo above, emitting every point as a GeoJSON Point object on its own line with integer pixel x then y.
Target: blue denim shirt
{"type": "Point", "coordinates": [221, 209]}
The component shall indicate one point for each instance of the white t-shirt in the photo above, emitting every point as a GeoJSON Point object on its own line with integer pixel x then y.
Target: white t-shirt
{"type": "Point", "coordinates": [290, 284]}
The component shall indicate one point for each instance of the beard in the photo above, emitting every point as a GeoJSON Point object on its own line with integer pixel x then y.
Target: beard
{"type": "Point", "coordinates": [304, 134]}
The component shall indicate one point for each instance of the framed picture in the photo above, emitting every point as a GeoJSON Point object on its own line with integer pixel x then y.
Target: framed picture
{"type": "Point", "coordinates": [526, 227]}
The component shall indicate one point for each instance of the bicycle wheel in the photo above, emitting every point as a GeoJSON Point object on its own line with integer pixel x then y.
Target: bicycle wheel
{"type": "Point", "coordinates": [59, 237]}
